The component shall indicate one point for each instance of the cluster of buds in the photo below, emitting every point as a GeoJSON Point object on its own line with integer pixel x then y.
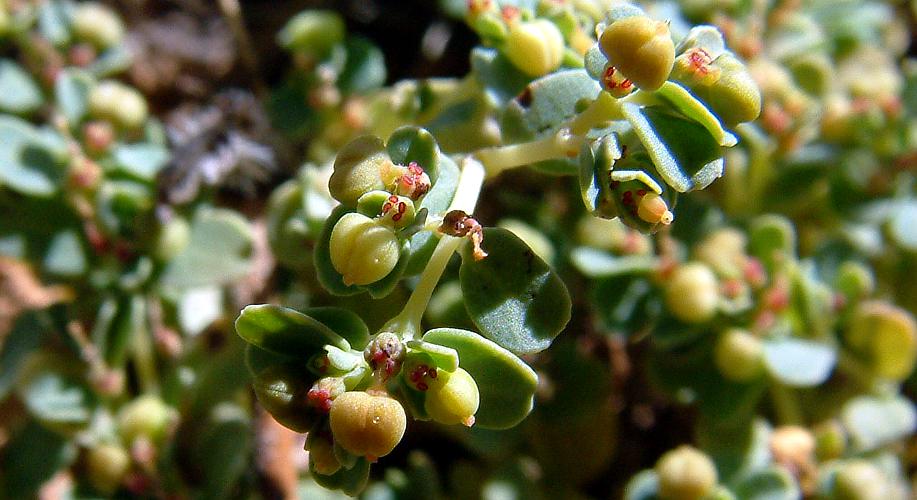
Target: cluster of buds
{"type": "Point", "coordinates": [365, 244]}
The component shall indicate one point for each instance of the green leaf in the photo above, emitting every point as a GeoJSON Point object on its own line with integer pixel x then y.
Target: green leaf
{"type": "Point", "coordinates": [218, 251]}
{"type": "Point", "coordinates": [53, 392]}
{"type": "Point", "coordinates": [799, 362]}
{"type": "Point", "coordinates": [596, 161]}
{"type": "Point", "coordinates": [545, 104]}
{"type": "Point", "coordinates": [31, 165]}
{"type": "Point", "coordinates": [351, 481]}
{"type": "Point", "coordinates": [643, 486]}
{"type": "Point", "coordinates": [506, 384]}
{"type": "Point", "coordinates": [364, 69]}
{"type": "Point", "coordinates": [443, 357]}
{"type": "Point", "coordinates": [771, 238]}
{"type": "Point", "coordinates": [343, 322]}
{"type": "Point", "coordinates": [18, 92]}
{"type": "Point", "coordinates": [594, 263]}
{"type": "Point", "coordinates": [65, 255]}
{"type": "Point", "coordinates": [71, 91]}
{"type": "Point", "coordinates": [689, 105]}
{"type": "Point", "coordinates": [54, 22]}
{"type": "Point", "coordinates": [414, 144]}
{"type": "Point", "coordinates": [27, 333]}
{"type": "Point", "coordinates": [285, 331]}
{"type": "Point", "coordinates": [512, 295]}
{"type": "Point", "coordinates": [500, 78]}
{"type": "Point", "coordinates": [222, 450]}
{"type": "Point", "coordinates": [873, 422]}
{"type": "Point", "coordinates": [683, 151]}
{"type": "Point", "coordinates": [31, 458]}
{"type": "Point", "coordinates": [773, 483]}
{"type": "Point", "coordinates": [142, 161]}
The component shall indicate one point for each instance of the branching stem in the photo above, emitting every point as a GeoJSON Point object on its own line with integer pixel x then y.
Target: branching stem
{"type": "Point", "coordinates": [407, 322]}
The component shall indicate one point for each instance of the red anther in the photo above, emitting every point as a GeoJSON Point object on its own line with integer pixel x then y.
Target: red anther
{"type": "Point", "coordinates": [776, 299]}
{"type": "Point", "coordinates": [626, 83]}
{"type": "Point", "coordinates": [422, 386]}
{"type": "Point", "coordinates": [700, 60]}
{"type": "Point", "coordinates": [641, 192]}
{"type": "Point", "coordinates": [754, 272]}
{"type": "Point", "coordinates": [732, 288]}
{"type": "Point", "coordinates": [321, 398]}
{"type": "Point", "coordinates": [838, 302]}
{"type": "Point", "coordinates": [432, 372]}
{"type": "Point", "coordinates": [509, 13]}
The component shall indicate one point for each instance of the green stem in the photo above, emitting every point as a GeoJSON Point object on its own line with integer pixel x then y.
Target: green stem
{"type": "Point", "coordinates": [407, 322]}
{"type": "Point", "coordinates": [145, 360]}
{"type": "Point", "coordinates": [786, 404]}
{"type": "Point", "coordinates": [496, 159]}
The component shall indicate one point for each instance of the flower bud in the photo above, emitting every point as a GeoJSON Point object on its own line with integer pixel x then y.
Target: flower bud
{"type": "Point", "coordinates": [739, 355]}
{"type": "Point", "coordinates": [793, 447]}
{"type": "Point", "coordinates": [855, 280]}
{"type": "Point", "coordinates": [397, 212]}
{"type": "Point", "coordinates": [453, 398]}
{"type": "Point", "coordinates": [830, 440]}
{"type": "Point", "coordinates": [692, 293]}
{"type": "Point", "coordinates": [173, 237]}
{"type": "Point", "coordinates": [114, 101]}
{"type": "Point", "coordinates": [313, 31]}
{"type": "Point", "coordinates": [734, 97]}
{"type": "Point", "coordinates": [284, 394]}
{"type": "Point", "coordinates": [363, 250]}
{"type": "Point", "coordinates": [107, 465]}
{"type": "Point", "coordinates": [641, 49]}
{"type": "Point", "coordinates": [366, 424]}
{"type": "Point", "coordinates": [859, 480]}
{"type": "Point", "coordinates": [724, 251]}
{"type": "Point", "coordinates": [324, 391]}
{"type": "Point", "coordinates": [413, 182]}
{"type": "Point", "coordinates": [886, 336]}
{"type": "Point", "coordinates": [96, 24]}
{"type": "Point", "coordinates": [147, 416]}
{"type": "Point", "coordinates": [535, 47]}
{"type": "Point", "coordinates": [653, 209]}
{"type": "Point", "coordinates": [385, 352]}
{"type": "Point", "coordinates": [685, 473]}
{"type": "Point", "coordinates": [357, 170]}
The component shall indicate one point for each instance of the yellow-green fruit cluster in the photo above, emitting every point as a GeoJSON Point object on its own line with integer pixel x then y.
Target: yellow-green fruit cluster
{"type": "Point", "coordinates": [367, 425]}
{"type": "Point", "coordinates": [453, 398]}
{"type": "Point", "coordinates": [363, 250]}
{"type": "Point", "coordinates": [535, 47]}
{"type": "Point", "coordinates": [147, 416]}
{"type": "Point", "coordinates": [641, 49]}
{"type": "Point", "coordinates": [685, 473]}
{"type": "Point", "coordinates": [118, 103]}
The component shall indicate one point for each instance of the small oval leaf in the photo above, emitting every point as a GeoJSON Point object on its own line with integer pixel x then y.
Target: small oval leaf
{"type": "Point", "coordinates": [799, 362]}
{"type": "Point", "coordinates": [512, 295]}
{"type": "Point", "coordinates": [284, 331]}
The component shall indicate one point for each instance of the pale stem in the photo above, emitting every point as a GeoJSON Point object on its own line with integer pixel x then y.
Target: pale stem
{"type": "Point", "coordinates": [496, 159]}
{"type": "Point", "coordinates": [407, 322]}
{"type": "Point", "coordinates": [602, 109]}
{"type": "Point", "coordinates": [786, 404]}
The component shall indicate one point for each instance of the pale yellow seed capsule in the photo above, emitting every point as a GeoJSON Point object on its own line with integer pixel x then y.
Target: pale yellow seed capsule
{"type": "Point", "coordinates": [536, 48]}
{"type": "Point", "coordinates": [454, 399]}
{"type": "Point", "coordinates": [685, 473]}
{"type": "Point", "coordinates": [367, 425]}
{"type": "Point", "coordinates": [653, 209]}
{"type": "Point", "coordinates": [362, 250]}
{"type": "Point", "coordinates": [107, 465]}
{"type": "Point", "coordinates": [692, 293]}
{"type": "Point", "coordinates": [641, 48]}
{"type": "Point", "coordinates": [739, 355]}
